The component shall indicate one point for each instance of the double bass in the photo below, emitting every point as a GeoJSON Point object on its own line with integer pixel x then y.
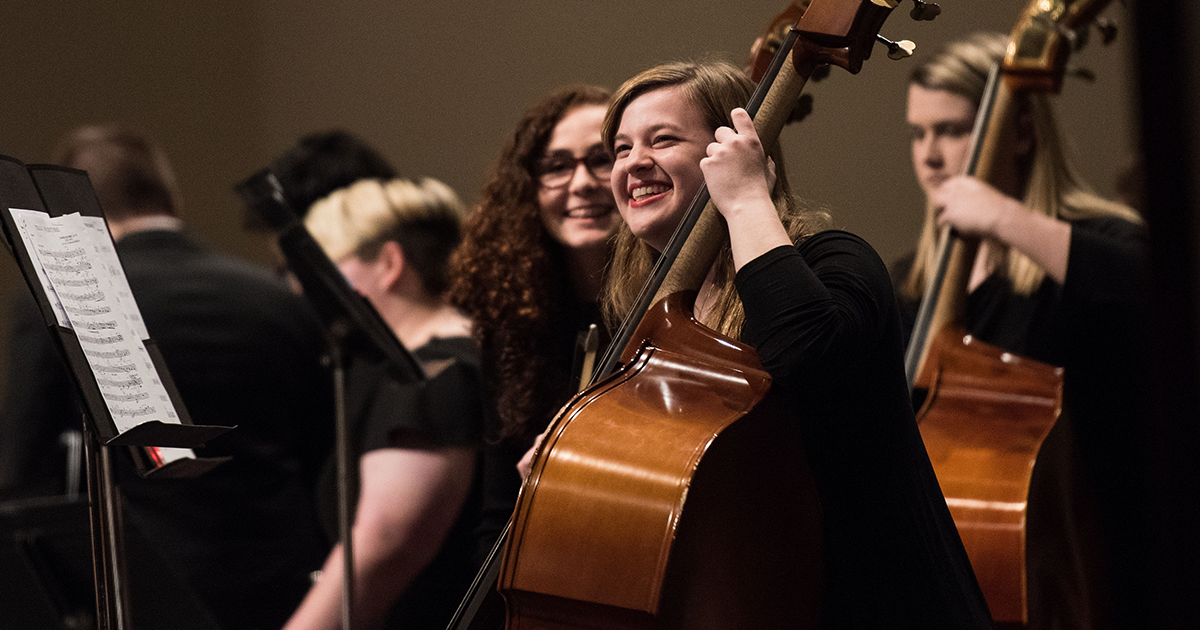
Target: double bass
{"type": "Point", "coordinates": [672, 492]}
{"type": "Point", "coordinates": [988, 412]}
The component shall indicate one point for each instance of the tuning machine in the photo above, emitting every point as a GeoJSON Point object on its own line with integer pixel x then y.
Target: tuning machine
{"type": "Point", "coordinates": [924, 11]}
{"type": "Point", "coordinates": [1079, 37]}
{"type": "Point", "coordinates": [897, 50]}
{"type": "Point", "coordinates": [1108, 30]}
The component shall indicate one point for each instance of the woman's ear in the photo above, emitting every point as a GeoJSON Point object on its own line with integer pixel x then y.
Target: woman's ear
{"type": "Point", "coordinates": [391, 264]}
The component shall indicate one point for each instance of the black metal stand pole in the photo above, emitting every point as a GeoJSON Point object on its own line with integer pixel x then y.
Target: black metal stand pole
{"type": "Point", "coordinates": [108, 548]}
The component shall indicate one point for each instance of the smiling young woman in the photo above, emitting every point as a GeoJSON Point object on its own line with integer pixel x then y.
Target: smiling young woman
{"type": "Point", "coordinates": [818, 308]}
{"type": "Point", "coordinates": [656, 175]}
{"type": "Point", "coordinates": [657, 149]}
{"type": "Point", "coordinates": [573, 193]}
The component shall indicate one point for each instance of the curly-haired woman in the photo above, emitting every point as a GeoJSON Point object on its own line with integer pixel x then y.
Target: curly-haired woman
{"type": "Point", "coordinates": [529, 273]}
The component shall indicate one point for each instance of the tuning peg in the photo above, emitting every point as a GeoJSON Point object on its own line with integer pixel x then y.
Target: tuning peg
{"type": "Point", "coordinates": [897, 50]}
{"type": "Point", "coordinates": [802, 109]}
{"type": "Point", "coordinates": [924, 11]}
{"type": "Point", "coordinates": [821, 72]}
{"type": "Point", "coordinates": [1108, 30]}
{"type": "Point", "coordinates": [1077, 38]}
{"type": "Point", "coordinates": [1080, 72]}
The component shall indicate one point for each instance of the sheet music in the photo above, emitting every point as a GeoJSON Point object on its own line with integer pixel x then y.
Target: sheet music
{"type": "Point", "coordinates": [79, 269]}
{"type": "Point", "coordinates": [34, 230]}
{"type": "Point", "coordinates": [164, 455]}
{"type": "Point", "coordinates": [105, 255]}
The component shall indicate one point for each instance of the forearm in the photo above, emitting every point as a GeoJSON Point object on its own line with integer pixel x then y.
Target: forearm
{"type": "Point", "coordinates": [976, 209]}
{"type": "Point", "coordinates": [408, 502]}
{"type": "Point", "coordinates": [379, 581]}
{"type": "Point", "coordinates": [321, 607]}
{"type": "Point", "coordinates": [1045, 240]}
{"type": "Point", "coordinates": [754, 230]}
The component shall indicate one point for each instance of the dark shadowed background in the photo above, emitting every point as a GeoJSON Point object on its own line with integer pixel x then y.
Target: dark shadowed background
{"type": "Point", "coordinates": [438, 86]}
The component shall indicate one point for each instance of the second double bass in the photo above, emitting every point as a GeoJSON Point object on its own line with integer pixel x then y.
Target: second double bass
{"type": "Point", "coordinates": [989, 408]}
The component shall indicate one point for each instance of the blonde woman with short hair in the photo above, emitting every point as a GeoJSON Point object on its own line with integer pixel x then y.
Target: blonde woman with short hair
{"type": "Point", "coordinates": [418, 471]}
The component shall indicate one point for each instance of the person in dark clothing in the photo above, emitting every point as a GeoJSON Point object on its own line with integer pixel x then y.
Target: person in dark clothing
{"type": "Point", "coordinates": [418, 481]}
{"type": "Point", "coordinates": [243, 351]}
{"type": "Point", "coordinates": [529, 273]}
{"type": "Point", "coordinates": [318, 164]}
{"type": "Point", "coordinates": [819, 309]}
{"type": "Point", "coordinates": [35, 461]}
{"type": "Point", "coordinates": [1056, 279]}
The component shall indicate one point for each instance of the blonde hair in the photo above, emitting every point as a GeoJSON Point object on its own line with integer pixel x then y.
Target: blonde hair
{"type": "Point", "coordinates": [422, 216]}
{"type": "Point", "coordinates": [715, 88]}
{"type": "Point", "coordinates": [1052, 187]}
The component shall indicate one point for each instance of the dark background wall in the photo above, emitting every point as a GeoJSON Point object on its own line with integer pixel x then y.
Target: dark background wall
{"type": "Point", "coordinates": [1169, 71]}
{"type": "Point", "coordinates": [437, 87]}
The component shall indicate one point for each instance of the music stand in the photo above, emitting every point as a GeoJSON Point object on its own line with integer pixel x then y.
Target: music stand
{"type": "Point", "coordinates": [53, 225]}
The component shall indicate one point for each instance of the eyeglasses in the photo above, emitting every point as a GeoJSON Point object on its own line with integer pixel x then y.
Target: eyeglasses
{"type": "Point", "coordinates": [557, 169]}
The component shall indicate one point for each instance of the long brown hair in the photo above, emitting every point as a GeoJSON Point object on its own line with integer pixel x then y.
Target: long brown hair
{"type": "Point", "coordinates": [1052, 186]}
{"type": "Point", "coordinates": [508, 274]}
{"type": "Point", "coordinates": [716, 88]}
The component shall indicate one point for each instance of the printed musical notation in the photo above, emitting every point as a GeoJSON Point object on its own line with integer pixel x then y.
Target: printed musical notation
{"type": "Point", "coordinates": [81, 274]}
{"type": "Point", "coordinates": [111, 354]}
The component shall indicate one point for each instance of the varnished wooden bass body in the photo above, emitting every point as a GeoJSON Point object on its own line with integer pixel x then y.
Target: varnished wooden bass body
{"type": "Point", "coordinates": [670, 495]}
{"type": "Point", "coordinates": [988, 412]}
{"type": "Point", "coordinates": [983, 421]}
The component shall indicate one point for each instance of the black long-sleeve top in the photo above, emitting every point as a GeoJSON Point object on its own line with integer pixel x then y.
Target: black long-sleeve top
{"type": "Point", "coordinates": [824, 321]}
{"type": "Point", "coordinates": [1084, 494]}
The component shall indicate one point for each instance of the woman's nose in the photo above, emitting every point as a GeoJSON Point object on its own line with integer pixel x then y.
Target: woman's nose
{"type": "Point", "coordinates": [639, 158]}
{"type": "Point", "coordinates": [933, 152]}
{"type": "Point", "coordinates": [583, 179]}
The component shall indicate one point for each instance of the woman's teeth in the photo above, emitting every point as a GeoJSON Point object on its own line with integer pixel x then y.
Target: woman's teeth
{"type": "Point", "coordinates": [588, 212]}
{"type": "Point", "coordinates": [641, 192]}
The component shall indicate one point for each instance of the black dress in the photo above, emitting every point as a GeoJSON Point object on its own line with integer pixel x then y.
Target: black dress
{"type": "Point", "coordinates": [444, 411]}
{"type": "Point", "coordinates": [501, 482]}
{"type": "Point", "coordinates": [824, 321]}
{"type": "Point", "coordinates": [1085, 483]}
